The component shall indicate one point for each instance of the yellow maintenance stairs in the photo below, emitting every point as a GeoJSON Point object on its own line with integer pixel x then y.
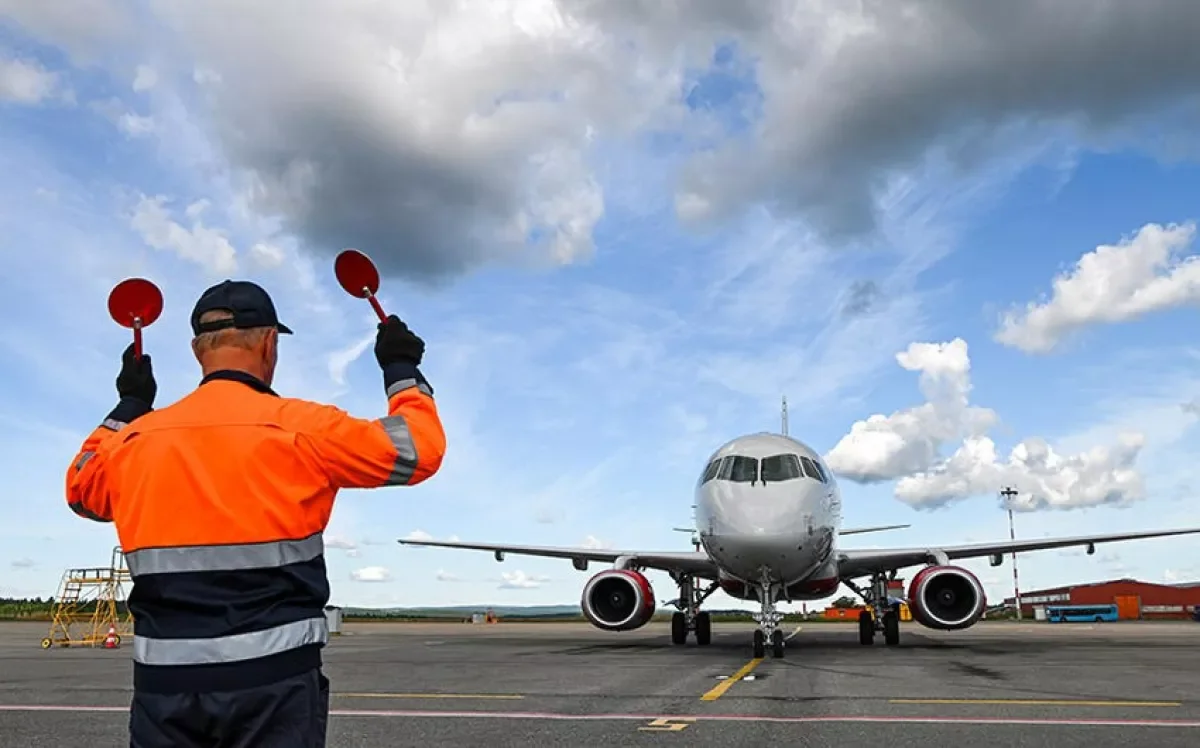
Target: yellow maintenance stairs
{"type": "Point", "coordinates": [88, 603]}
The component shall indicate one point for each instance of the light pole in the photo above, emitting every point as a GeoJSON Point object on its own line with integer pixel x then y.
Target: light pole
{"type": "Point", "coordinates": [1008, 493]}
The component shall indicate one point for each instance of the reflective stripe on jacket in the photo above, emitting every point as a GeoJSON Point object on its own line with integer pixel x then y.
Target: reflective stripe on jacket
{"type": "Point", "coordinates": [220, 501]}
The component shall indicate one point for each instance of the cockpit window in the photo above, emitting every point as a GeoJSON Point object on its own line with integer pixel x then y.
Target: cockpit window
{"type": "Point", "coordinates": [823, 470]}
{"type": "Point", "coordinates": [738, 469]}
{"type": "Point", "coordinates": [810, 469]}
{"type": "Point", "coordinates": [710, 472]}
{"type": "Point", "coordinates": [778, 468]}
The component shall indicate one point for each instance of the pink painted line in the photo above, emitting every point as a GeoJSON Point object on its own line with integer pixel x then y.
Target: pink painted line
{"type": "Point", "coordinates": [566, 717]}
{"type": "Point", "coordinates": [60, 708]}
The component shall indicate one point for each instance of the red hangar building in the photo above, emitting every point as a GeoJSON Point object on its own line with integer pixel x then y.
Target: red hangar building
{"type": "Point", "coordinates": [1135, 600]}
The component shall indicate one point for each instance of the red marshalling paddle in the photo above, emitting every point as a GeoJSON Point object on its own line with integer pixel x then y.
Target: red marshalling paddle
{"type": "Point", "coordinates": [358, 276]}
{"type": "Point", "coordinates": [135, 303]}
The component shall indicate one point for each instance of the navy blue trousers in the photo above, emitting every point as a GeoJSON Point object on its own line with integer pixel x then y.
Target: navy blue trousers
{"type": "Point", "coordinates": [293, 712]}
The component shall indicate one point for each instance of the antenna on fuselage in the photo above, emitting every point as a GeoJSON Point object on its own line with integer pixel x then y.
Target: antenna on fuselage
{"type": "Point", "coordinates": [785, 433]}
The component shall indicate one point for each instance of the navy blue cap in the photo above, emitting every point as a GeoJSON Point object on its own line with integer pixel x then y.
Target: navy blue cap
{"type": "Point", "coordinates": [250, 304]}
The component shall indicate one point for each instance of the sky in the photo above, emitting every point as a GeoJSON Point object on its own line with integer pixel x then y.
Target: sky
{"type": "Point", "coordinates": [625, 230]}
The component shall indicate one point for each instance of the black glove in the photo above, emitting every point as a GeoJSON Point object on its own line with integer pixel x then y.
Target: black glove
{"type": "Point", "coordinates": [395, 344]}
{"type": "Point", "coordinates": [136, 379]}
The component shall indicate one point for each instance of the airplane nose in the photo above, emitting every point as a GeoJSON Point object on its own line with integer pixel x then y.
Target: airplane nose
{"type": "Point", "coordinates": [777, 510]}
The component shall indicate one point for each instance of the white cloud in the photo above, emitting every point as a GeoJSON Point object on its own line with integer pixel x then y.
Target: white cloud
{"type": "Point", "coordinates": [371, 574]}
{"type": "Point", "coordinates": [340, 360]}
{"type": "Point", "coordinates": [907, 445]}
{"type": "Point", "coordinates": [337, 541]}
{"type": "Point", "coordinates": [460, 132]}
{"type": "Point", "coordinates": [1042, 478]}
{"type": "Point", "coordinates": [135, 125]}
{"type": "Point", "coordinates": [145, 78]}
{"type": "Point", "coordinates": [1184, 574]}
{"type": "Point", "coordinates": [207, 247]}
{"type": "Point", "coordinates": [591, 541]}
{"type": "Point", "coordinates": [84, 28]}
{"type": "Point", "coordinates": [445, 576]}
{"type": "Point", "coordinates": [443, 134]}
{"type": "Point", "coordinates": [267, 256]}
{"type": "Point", "coordinates": [519, 580]}
{"type": "Point", "coordinates": [1141, 275]}
{"type": "Point", "coordinates": [26, 81]}
{"type": "Point", "coordinates": [24, 563]}
{"type": "Point", "coordinates": [909, 441]}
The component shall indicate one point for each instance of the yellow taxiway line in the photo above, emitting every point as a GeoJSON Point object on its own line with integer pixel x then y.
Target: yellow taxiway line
{"type": "Point", "coordinates": [719, 689]}
{"type": "Point", "coordinates": [1034, 702]}
{"type": "Point", "coordinates": [506, 696]}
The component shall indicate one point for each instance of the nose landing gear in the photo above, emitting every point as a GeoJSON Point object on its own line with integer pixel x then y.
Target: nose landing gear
{"type": "Point", "coordinates": [768, 619]}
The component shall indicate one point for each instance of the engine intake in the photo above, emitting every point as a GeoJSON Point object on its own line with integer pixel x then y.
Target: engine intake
{"type": "Point", "coordinates": [618, 600]}
{"type": "Point", "coordinates": [946, 598]}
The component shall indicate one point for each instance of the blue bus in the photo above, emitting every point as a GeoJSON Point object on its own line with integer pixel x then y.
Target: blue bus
{"type": "Point", "coordinates": [1074, 613]}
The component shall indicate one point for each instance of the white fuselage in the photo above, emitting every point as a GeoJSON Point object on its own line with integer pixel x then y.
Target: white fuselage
{"type": "Point", "coordinates": [766, 504]}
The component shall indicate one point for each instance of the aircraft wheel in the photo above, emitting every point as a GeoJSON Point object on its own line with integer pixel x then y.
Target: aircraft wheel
{"type": "Point", "coordinates": [703, 629]}
{"type": "Point", "coordinates": [46, 643]}
{"type": "Point", "coordinates": [759, 644]}
{"type": "Point", "coordinates": [678, 629]}
{"type": "Point", "coordinates": [866, 628]}
{"type": "Point", "coordinates": [891, 628]}
{"type": "Point", "coordinates": [777, 643]}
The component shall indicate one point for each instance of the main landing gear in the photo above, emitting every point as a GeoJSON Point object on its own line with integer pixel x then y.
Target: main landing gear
{"type": "Point", "coordinates": [689, 616]}
{"type": "Point", "coordinates": [886, 617]}
{"type": "Point", "coordinates": [768, 620]}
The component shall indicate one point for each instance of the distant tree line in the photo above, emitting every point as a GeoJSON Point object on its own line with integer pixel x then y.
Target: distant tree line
{"type": "Point", "coordinates": [41, 609]}
{"type": "Point", "coordinates": [29, 609]}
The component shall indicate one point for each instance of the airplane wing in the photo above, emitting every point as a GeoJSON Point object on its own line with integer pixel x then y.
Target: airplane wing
{"type": "Point", "coordinates": [855, 563]}
{"type": "Point", "coordinates": [692, 562]}
{"type": "Point", "coordinates": [878, 528]}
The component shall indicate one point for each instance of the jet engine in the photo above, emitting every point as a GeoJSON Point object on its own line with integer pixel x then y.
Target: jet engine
{"type": "Point", "coordinates": [946, 597]}
{"type": "Point", "coordinates": [618, 600]}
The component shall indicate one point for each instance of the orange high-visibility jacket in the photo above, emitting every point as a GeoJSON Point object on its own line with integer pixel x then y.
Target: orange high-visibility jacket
{"type": "Point", "coordinates": [220, 501]}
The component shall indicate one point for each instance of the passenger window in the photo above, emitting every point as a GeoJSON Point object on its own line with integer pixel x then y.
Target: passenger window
{"type": "Point", "coordinates": [811, 470]}
{"type": "Point", "coordinates": [778, 468]}
{"type": "Point", "coordinates": [739, 469]}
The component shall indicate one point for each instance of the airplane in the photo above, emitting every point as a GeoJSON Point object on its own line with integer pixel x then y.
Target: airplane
{"type": "Point", "coordinates": [768, 521]}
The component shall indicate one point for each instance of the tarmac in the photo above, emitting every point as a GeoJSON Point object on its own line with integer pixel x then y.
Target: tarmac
{"type": "Point", "coordinates": [551, 684]}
